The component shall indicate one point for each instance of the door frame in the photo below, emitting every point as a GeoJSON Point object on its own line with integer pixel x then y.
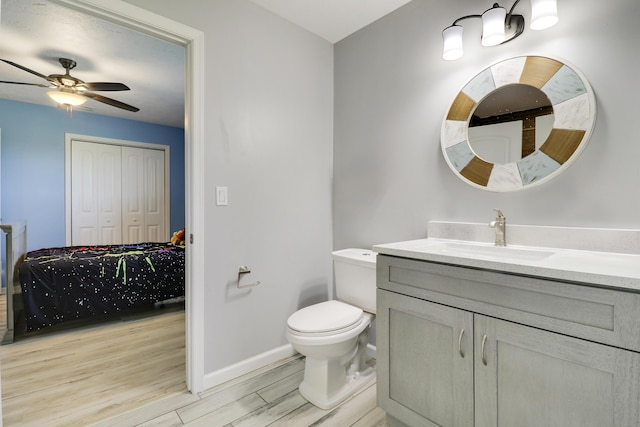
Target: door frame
{"type": "Point", "coordinates": [68, 141]}
{"type": "Point", "coordinates": [158, 26]}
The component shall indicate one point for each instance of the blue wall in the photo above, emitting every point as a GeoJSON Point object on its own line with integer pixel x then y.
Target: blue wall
{"type": "Point", "coordinates": [32, 164]}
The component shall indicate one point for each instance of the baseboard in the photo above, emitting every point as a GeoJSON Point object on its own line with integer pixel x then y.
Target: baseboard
{"type": "Point", "coordinates": [243, 367]}
{"type": "Point", "coordinates": [246, 366]}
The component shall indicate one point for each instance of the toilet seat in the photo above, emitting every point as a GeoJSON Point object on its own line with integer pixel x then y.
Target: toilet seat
{"type": "Point", "coordinates": [326, 318]}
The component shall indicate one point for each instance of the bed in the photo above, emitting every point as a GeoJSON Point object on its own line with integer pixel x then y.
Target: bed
{"type": "Point", "coordinates": [78, 282]}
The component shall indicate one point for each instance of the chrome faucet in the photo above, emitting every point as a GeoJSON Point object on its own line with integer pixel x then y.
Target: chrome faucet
{"type": "Point", "coordinates": [500, 224]}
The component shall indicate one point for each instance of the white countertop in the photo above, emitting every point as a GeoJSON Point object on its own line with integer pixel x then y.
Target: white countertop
{"type": "Point", "coordinates": [609, 269]}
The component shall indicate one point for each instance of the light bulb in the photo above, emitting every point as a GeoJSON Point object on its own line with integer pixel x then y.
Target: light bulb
{"type": "Point", "coordinates": [66, 98]}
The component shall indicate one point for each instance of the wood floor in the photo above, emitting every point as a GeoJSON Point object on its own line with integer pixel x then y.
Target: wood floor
{"type": "Point", "coordinates": [266, 398]}
{"type": "Point", "coordinates": [76, 378]}
{"type": "Point", "coordinates": [132, 374]}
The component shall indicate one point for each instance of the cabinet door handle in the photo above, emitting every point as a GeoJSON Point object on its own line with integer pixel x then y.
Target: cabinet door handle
{"type": "Point", "coordinates": [460, 343]}
{"type": "Point", "coordinates": [484, 359]}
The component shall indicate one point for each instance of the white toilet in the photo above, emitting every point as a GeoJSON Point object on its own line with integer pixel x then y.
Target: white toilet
{"type": "Point", "coordinates": [333, 335]}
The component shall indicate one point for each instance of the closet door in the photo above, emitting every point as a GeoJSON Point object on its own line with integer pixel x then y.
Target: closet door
{"type": "Point", "coordinates": [133, 206]}
{"type": "Point", "coordinates": [95, 194]}
{"type": "Point", "coordinates": [143, 195]}
{"type": "Point", "coordinates": [154, 200]}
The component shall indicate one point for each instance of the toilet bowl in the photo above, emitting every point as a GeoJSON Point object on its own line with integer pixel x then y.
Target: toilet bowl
{"type": "Point", "coordinates": [333, 335]}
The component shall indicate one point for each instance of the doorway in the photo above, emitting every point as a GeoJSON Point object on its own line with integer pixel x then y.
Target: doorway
{"type": "Point", "coordinates": [193, 40]}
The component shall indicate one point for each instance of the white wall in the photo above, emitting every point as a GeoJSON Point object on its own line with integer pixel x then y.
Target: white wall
{"type": "Point", "coordinates": [269, 118]}
{"type": "Point", "coordinates": [392, 90]}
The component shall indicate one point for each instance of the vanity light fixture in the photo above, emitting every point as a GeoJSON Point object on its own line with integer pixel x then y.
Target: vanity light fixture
{"type": "Point", "coordinates": [498, 26]}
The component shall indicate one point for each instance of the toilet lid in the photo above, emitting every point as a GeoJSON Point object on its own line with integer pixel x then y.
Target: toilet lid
{"type": "Point", "coordinates": [325, 317]}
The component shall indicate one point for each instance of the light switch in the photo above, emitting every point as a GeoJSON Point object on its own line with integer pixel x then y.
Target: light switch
{"type": "Point", "coordinates": [221, 196]}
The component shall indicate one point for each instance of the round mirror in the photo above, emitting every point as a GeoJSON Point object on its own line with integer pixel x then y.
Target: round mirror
{"type": "Point", "coordinates": [518, 123]}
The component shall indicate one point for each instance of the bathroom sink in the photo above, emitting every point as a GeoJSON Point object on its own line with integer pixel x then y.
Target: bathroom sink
{"type": "Point", "coordinates": [494, 252]}
{"type": "Point", "coordinates": [610, 258]}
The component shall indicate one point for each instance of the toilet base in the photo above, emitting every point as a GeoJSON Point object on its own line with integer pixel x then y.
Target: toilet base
{"type": "Point", "coordinates": [329, 382]}
{"type": "Point", "coordinates": [352, 384]}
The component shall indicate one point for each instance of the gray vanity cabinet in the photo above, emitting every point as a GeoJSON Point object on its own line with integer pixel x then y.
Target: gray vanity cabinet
{"type": "Point", "coordinates": [449, 355]}
{"type": "Point", "coordinates": [425, 361]}
{"type": "Point", "coordinates": [539, 378]}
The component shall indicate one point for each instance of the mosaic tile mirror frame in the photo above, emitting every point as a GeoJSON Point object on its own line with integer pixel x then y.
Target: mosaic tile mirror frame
{"type": "Point", "coordinates": [569, 114]}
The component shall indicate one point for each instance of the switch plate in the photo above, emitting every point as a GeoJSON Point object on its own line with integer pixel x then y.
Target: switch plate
{"type": "Point", "coordinates": [221, 196]}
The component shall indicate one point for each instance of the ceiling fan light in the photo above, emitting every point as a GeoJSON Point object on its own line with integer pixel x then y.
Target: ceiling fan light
{"type": "Point", "coordinates": [544, 14]}
{"type": "Point", "coordinates": [66, 98]}
{"type": "Point", "coordinates": [493, 23]}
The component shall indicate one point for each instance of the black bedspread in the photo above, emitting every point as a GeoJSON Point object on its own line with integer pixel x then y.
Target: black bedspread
{"type": "Point", "coordinates": [60, 284]}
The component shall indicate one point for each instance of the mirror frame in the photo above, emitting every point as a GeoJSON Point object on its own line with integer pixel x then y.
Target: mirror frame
{"type": "Point", "coordinates": [574, 109]}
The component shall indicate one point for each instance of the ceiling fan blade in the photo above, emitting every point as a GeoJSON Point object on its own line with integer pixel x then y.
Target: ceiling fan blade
{"type": "Point", "coordinates": [27, 84]}
{"type": "Point", "coordinates": [35, 73]}
{"type": "Point", "coordinates": [110, 101]}
{"type": "Point", "coordinates": [105, 86]}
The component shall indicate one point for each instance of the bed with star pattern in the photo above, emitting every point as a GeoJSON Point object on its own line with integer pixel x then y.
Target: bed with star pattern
{"type": "Point", "coordinates": [66, 283]}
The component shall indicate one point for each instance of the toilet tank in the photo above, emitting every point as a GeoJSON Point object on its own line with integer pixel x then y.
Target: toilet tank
{"type": "Point", "coordinates": [355, 275]}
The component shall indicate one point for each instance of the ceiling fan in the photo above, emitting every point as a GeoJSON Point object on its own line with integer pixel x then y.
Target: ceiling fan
{"type": "Point", "coordinates": [70, 91]}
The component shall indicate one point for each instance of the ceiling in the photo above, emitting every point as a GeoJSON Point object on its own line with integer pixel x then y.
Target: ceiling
{"type": "Point", "coordinates": [36, 33]}
{"type": "Point", "coordinates": [332, 20]}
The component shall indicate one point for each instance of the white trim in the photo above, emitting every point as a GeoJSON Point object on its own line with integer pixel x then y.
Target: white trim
{"type": "Point", "coordinates": [195, 196]}
{"type": "Point", "coordinates": [223, 375]}
{"type": "Point", "coordinates": [136, 18]}
{"type": "Point", "coordinates": [158, 26]}
{"type": "Point", "coordinates": [114, 141]}
{"type": "Point", "coordinates": [68, 140]}
{"type": "Point", "coordinates": [246, 366]}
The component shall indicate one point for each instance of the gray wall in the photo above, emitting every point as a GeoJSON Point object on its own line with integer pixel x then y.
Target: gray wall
{"type": "Point", "coordinates": [392, 90]}
{"type": "Point", "coordinates": [269, 133]}
{"type": "Point", "coordinates": [274, 132]}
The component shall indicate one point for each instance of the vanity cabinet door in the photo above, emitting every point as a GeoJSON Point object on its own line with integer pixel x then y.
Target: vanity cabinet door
{"type": "Point", "coordinates": [425, 361]}
{"type": "Point", "coordinates": [530, 377]}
